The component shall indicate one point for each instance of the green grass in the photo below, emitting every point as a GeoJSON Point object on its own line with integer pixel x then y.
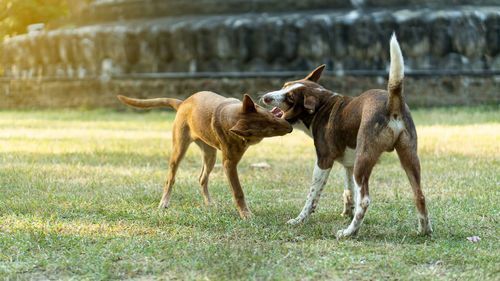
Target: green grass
{"type": "Point", "coordinates": [79, 190]}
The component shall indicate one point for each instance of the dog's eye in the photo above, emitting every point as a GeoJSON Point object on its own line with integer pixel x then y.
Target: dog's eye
{"type": "Point", "coordinates": [289, 97]}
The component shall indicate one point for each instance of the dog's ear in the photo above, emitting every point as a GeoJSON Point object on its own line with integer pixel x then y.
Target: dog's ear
{"type": "Point", "coordinates": [241, 129]}
{"type": "Point", "coordinates": [248, 104]}
{"type": "Point", "coordinates": [316, 74]}
{"type": "Point", "coordinates": [310, 103]}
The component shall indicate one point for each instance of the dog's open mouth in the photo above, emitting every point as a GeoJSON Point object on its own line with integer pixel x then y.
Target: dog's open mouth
{"type": "Point", "coordinates": [277, 112]}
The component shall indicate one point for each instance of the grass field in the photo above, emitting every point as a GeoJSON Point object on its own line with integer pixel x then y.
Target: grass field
{"type": "Point", "coordinates": [79, 190]}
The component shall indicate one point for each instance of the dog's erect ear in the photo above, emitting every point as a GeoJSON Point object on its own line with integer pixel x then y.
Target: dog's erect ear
{"type": "Point", "coordinates": [248, 104]}
{"type": "Point", "coordinates": [310, 103]}
{"type": "Point", "coordinates": [240, 129]}
{"type": "Point", "coordinates": [316, 74]}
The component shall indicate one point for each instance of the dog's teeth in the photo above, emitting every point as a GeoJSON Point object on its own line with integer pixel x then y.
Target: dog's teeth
{"type": "Point", "coordinates": [277, 112]}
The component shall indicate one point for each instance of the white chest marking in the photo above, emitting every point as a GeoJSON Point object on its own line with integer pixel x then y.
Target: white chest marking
{"type": "Point", "coordinates": [301, 126]}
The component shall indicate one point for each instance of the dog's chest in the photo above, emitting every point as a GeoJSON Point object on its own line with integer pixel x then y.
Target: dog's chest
{"type": "Point", "coordinates": [301, 126]}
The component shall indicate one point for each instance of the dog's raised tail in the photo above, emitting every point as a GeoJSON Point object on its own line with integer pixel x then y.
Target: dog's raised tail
{"type": "Point", "coordinates": [396, 75]}
{"type": "Point", "coordinates": [151, 103]}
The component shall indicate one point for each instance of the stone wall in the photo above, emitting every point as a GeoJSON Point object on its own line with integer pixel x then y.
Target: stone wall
{"type": "Point", "coordinates": [459, 39]}
{"type": "Point", "coordinates": [137, 39]}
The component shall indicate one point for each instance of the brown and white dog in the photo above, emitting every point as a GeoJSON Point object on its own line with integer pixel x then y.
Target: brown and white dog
{"type": "Point", "coordinates": [215, 122]}
{"type": "Point", "coordinates": [354, 132]}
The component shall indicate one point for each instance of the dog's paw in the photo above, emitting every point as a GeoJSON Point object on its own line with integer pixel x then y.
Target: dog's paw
{"type": "Point", "coordinates": [295, 221]}
{"type": "Point", "coordinates": [246, 215]}
{"type": "Point", "coordinates": [425, 230]}
{"type": "Point", "coordinates": [344, 233]}
{"type": "Point", "coordinates": [341, 234]}
{"type": "Point", "coordinates": [164, 205]}
{"type": "Point", "coordinates": [424, 226]}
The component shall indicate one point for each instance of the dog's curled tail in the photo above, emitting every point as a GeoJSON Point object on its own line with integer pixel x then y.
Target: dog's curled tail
{"type": "Point", "coordinates": [396, 75]}
{"type": "Point", "coordinates": [151, 103]}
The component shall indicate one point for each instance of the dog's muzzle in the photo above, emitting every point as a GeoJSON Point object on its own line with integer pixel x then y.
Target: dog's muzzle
{"type": "Point", "coordinates": [277, 112]}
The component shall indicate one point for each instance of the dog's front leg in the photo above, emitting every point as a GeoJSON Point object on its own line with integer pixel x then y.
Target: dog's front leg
{"type": "Point", "coordinates": [320, 176]}
{"type": "Point", "coordinates": [230, 167]}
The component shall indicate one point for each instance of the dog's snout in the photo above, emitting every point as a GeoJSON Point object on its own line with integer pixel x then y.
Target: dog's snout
{"type": "Point", "coordinates": [267, 99]}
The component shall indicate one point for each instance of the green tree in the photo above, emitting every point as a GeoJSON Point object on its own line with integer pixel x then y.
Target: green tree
{"type": "Point", "coordinates": [16, 15]}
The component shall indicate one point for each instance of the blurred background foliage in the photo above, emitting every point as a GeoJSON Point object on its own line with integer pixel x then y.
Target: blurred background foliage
{"type": "Point", "coordinates": [17, 15]}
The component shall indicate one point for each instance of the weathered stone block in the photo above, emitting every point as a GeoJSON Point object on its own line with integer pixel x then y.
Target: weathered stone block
{"type": "Point", "coordinates": [468, 34]}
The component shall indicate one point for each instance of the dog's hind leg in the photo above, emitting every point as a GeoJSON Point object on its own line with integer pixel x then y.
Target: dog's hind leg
{"type": "Point", "coordinates": [209, 155]}
{"type": "Point", "coordinates": [365, 161]}
{"type": "Point", "coordinates": [348, 193]}
{"type": "Point", "coordinates": [407, 152]}
{"type": "Point", "coordinates": [320, 177]}
{"type": "Point", "coordinates": [180, 143]}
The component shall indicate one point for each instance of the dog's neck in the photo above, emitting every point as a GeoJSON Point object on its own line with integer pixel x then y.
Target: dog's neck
{"type": "Point", "coordinates": [325, 104]}
{"type": "Point", "coordinates": [304, 118]}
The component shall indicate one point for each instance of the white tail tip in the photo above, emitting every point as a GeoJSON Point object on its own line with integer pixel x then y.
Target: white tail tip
{"type": "Point", "coordinates": [397, 62]}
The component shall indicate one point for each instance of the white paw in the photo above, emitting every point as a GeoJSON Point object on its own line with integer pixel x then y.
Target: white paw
{"type": "Point", "coordinates": [425, 230]}
{"type": "Point", "coordinates": [163, 205]}
{"type": "Point", "coordinates": [425, 227]}
{"type": "Point", "coordinates": [341, 234]}
{"type": "Point", "coordinates": [346, 233]}
{"type": "Point", "coordinates": [294, 221]}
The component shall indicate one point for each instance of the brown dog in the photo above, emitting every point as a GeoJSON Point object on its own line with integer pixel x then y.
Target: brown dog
{"type": "Point", "coordinates": [214, 122]}
{"type": "Point", "coordinates": [354, 132]}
